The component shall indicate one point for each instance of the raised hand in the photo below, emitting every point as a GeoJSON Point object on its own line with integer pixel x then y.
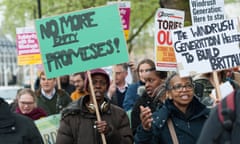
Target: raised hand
{"type": "Point", "coordinates": [146, 117]}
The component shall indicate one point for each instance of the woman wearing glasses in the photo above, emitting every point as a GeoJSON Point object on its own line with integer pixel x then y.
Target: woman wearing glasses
{"type": "Point", "coordinates": [27, 105]}
{"type": "Point", "coordinates": [182, 112]}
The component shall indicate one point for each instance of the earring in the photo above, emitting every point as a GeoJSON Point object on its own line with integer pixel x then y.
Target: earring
{"type": "Point", "coordinates": [168, 96]}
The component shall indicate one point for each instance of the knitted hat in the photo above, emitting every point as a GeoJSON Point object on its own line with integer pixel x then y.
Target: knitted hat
{"type": "Point", "coordinates": [98, 71]}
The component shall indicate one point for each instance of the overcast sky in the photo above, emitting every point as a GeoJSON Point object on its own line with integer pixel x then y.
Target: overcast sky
{"type": "Point", "coordinates": [232, 10]}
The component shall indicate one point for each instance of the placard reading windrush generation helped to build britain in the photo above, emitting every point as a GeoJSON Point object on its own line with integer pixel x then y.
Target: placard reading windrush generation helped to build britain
{"type": "Point", "coordinates": [206, 48]}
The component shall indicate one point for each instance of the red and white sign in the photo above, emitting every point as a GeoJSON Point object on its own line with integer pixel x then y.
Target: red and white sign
{"type": "Point", "coordinates": [165, 21]}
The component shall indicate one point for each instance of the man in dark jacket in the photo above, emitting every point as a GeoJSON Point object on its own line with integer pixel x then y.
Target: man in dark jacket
{"type": "Point", "coordinates": [17, 129]}
{"type": "Point", "coordinates": [79, 124]}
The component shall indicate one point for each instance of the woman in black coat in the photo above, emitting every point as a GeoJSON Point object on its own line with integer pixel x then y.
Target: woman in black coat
{"type": "Point", "coordinates": [153, 79]}
{"type": "Point", "coordinates": [17, 129]}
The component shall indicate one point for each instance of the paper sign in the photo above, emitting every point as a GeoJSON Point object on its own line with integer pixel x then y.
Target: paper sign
{"type": "Point", "coordinates": [206, 48]}
{"type": "Point", "coordinates": [225, 89]}
{"type": "Point", "coordinates": [203, 11]}
{"type": "Point", "coordinates": [165, 21]}
{"type": "Point", "coordinates": [125, 10]}
{"type": "Point", "coordinates": [27, 46]}
{"type": "Point", "coordinates": [48, 127]}
{"type": "Point", "coordinates": [81, 41]}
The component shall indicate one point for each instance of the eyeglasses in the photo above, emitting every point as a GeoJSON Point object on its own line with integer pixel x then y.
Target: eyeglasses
{"type": "Point", "coordinates": [180, 87]}
{"type": "Point", "coordinates": [26, 103]}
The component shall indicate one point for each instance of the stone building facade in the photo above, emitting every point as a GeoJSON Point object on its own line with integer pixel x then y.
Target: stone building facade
{"type": "Point", "coordinates": [9, 70]}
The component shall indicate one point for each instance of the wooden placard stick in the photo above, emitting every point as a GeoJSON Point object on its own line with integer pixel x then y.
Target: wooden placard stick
{"type": "Point", "coordinates": [31, 78]}
{"type": "Point", "coordinates": [217, 86]}
{"type": "Point", "coordinates": [59, 83]}
{"type": "Point", "coordinates": [95, 103]}
{"type": "Point", "coordinates": [113, 74]}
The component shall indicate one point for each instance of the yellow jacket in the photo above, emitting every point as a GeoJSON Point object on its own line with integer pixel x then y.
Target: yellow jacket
{"type": "Point", "coordinates": [76, 95]}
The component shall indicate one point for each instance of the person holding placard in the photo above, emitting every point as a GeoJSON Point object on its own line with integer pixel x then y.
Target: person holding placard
{"type": "Point", "coordinates": [179, 120]}
{"type": "Point", "coordinates": [49, 98]}
{"type": "Point", "coordinates": [79, 124]}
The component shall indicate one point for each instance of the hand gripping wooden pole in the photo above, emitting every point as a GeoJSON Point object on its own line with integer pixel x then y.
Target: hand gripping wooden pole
{"type": "Point", "coordinates": [95, 103]}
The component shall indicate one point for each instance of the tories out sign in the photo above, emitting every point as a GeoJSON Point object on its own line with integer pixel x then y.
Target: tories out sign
{"type": "Point", "coordinates": [165, 21]}
{"type": "Point", "coordinates": [206, 48]}
{"type": "Point", "coordinates": [81, 41]}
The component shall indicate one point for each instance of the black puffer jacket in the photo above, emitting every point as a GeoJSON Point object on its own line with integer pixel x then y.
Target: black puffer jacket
{"type": "Point", "coordinates": [144, 101]}
{"type": "Point", "coordinates": [17, 129]}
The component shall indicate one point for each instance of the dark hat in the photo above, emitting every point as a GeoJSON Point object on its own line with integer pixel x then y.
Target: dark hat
{"type": "Point", "coordinates": [98, 71]}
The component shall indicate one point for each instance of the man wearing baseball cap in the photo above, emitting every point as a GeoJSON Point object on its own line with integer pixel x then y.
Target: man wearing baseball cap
{"type": "Point", "coordinates": [79, 122]}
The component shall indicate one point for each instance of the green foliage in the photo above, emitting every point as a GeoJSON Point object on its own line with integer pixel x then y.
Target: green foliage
{"type": "Point", "coordinates": [231, 1]}
{"type": "Point", "coordinates": [20, 13]}
{"type": "Point", "coordinates": [15, 14]}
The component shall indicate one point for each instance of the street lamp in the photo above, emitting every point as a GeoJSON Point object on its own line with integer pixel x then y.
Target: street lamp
{"type": "Point", "coordinates": [39, 8]}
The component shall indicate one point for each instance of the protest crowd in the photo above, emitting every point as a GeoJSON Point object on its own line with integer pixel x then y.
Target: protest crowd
{"type": "Point", "coordinates": [83, 102]}
{"type": "Point", "coordinates": [161, 97]}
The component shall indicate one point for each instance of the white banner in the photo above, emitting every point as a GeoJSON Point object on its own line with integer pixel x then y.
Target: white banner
{"type": "Point", "coordinates": [165, 21]}
{"type": "Point", "coordinates": [207, 48]}
{"type": "Point", "coordinates": [203, 11]}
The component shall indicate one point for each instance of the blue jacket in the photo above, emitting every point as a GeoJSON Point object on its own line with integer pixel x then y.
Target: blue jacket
{"type": "Point", "coordinates": [187, 126]}
{"type": "Point", "coordinates": [131, 95]}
